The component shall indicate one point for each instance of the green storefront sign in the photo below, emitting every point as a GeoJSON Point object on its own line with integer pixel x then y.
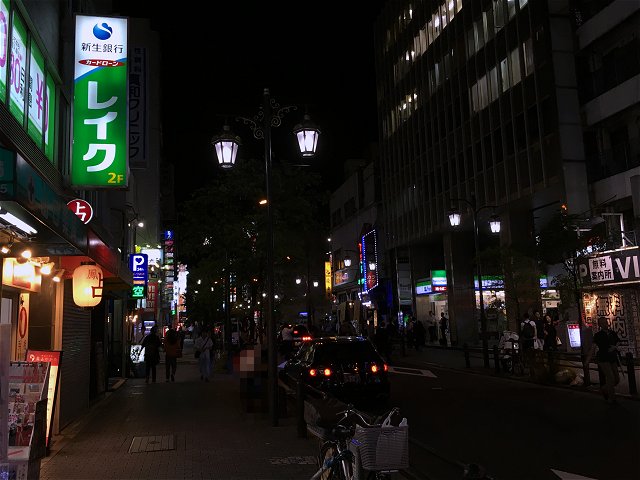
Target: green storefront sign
{"type": "Point", "coordinates": [100, 138]}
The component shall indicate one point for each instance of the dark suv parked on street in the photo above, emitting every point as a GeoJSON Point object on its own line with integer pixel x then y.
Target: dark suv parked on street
{"type": "Point", "coordinates": [349, 368]}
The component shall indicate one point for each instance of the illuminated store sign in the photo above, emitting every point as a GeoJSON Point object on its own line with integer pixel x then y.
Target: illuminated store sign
{"type": "Point", "coordinates": [370, 261]}
{"type": "Point", "coordinates": [100, 138]}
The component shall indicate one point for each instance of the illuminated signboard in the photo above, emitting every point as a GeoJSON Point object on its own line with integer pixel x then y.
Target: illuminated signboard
{"type": "Point", "coordinates": [139, 266]}
{"type": "Point", "coordinates": [82, 209]}
{"type": "Point", "coordinates": [327, 279]}
{"type": "Point", "coordinates": [423, 287]}
{"type": "Point", "coordinates": [369, 261]}
{"type": "Point", "coordinates": [573, 331]}
{"type": "Point", "coordinates": [439, 281]}
{"type": "Point", "coordinates": [53, 357]}
{"type": "Point", "coordinates": [100, 136]}
{"type": "Point", "coordinates": [496, 282]}
{"type": "Point", "coordinates": [345, 275]}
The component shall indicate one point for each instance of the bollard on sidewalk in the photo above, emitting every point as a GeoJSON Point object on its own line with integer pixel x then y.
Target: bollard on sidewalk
{"type": "Point", "coordinates": [302, 424]}
{"type": "Point", "coordinates": [631, 373]}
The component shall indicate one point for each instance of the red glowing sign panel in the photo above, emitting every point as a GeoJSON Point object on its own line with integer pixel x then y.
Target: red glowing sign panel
{"type": "Point", "coordinates": [82, 209]}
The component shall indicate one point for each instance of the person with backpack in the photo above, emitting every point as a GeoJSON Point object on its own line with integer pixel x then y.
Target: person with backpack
{"type": "Point", "coordinates": [528, 333]}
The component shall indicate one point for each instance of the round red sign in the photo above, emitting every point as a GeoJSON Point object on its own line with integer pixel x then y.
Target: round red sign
{"type": "Point", "coordinates": [81, 208]}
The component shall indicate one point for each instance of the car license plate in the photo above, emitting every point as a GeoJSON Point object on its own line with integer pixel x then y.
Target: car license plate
{"type": "Point", "coordinates": [351, 378]}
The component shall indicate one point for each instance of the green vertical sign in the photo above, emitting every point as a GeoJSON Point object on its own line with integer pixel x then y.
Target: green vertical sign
{"type": "Point", "coordinates": [36, 97]}
{"type": "Point", "coordinates": [4, 47]}
{"type": "Point", "coordinates": [100, 140]}
{"type": "Point", "coordinates": [18, 68]}
{"type": "Point", "coordinates": [50, 120]}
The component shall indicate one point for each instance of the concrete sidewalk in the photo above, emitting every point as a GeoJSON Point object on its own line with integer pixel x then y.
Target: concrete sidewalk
{"type": "Point", "coordinates": [188, 429]}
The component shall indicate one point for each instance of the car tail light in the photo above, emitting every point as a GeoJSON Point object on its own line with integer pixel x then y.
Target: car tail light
{"type": "Point", "coordinates": [327, 372]}
{"type": "Point", "coordinates": [295, 332]}
{"type": "Point", "coordinates": [386, 367]}
{"type": "Point", "coordinates": [313, 372]}
{"type": "Point", "coordinates": [374, 368]}
{"type": "Point", "coordinates": [306, 338]}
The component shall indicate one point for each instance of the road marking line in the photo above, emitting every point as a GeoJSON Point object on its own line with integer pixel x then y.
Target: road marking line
{"type": "Point", "coordinates": [412, 371]}
{"type": "Point", "coordinates": [570, 476]}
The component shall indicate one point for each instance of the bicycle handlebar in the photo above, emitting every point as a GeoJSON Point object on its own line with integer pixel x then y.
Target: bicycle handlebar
{"type": "Point", "coordinates": [352, 411]}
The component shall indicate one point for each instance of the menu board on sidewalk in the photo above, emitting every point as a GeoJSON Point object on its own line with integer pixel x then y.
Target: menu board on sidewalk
{"type": "Point", "coordinates": [27, 404]}
{"type": "Point", "coordinates": [53, 357]}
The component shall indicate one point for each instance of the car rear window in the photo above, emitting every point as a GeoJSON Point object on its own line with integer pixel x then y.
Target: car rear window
{"type": "Point", "coordinates": [345, 352]}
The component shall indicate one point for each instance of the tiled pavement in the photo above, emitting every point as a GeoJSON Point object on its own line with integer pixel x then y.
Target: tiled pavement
{"type": "Point", "coordinates": [213, 437]}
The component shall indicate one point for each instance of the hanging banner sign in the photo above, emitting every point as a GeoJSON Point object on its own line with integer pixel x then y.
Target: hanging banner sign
{"type": "Point", "coordinates": [609, 268]}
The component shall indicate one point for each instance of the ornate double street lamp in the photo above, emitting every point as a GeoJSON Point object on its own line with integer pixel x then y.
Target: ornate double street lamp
{"type": "Point", "coordinates": [494, 223]}
{"type": "Point", "coordinates": [226, 146]}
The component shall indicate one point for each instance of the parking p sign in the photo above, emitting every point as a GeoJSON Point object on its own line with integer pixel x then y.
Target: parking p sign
{"type": "Point", "coordinates": [139, 265]}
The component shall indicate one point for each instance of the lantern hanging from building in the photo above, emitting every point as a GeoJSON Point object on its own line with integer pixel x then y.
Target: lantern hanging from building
{"type": "Point", "coordinates": [87, 285]}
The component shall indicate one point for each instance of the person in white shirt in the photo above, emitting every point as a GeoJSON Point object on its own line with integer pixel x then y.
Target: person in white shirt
{"type": "Point", "coordinates": [204, 344]}
{"type": "Point", "coordinates": [287, 341]}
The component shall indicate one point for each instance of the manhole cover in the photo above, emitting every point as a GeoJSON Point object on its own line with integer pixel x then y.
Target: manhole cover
{"type": "Point", "coordinates": [154, 443]}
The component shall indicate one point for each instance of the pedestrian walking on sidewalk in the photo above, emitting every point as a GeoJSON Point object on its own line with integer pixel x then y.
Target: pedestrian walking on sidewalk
{"type": "Point", "coordinates": [151, 344]}
{"type": "Point", "coordinates": [172, 352]}
{"type": "Point", "coordinates": [607, 358]}
{"type": "Point", "coordinates": [203, 345]}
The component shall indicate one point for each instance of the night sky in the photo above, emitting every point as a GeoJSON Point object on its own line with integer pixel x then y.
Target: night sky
{"type": "Point", "coordinates": [318, 55]}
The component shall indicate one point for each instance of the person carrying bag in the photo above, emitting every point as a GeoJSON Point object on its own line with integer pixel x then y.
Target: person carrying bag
{"type": "Point", "coordinates": [203, 346]}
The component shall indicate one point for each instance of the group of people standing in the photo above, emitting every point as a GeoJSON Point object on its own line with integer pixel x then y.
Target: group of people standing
{"type": "Point", "coordinates": [540, 333]}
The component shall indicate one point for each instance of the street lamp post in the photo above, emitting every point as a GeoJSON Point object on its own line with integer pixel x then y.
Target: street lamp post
{"type": "Point", "coordinates": [226, 146]}
{"type": "Point", "coordinates": [454, 220]}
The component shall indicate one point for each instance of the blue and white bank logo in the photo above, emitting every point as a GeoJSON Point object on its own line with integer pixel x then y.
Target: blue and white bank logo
{"type": "Point", "coordinates": [102, 31]}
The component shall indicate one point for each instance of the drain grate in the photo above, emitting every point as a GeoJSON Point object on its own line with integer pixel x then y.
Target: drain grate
{"type": "Point", "coordinates": [154, 443]}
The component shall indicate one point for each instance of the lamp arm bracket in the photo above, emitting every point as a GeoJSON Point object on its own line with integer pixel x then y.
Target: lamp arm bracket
{"type": "Point", "coordinates": [257, 123]}
{"type": "Point", "coordinates": [486, 206]}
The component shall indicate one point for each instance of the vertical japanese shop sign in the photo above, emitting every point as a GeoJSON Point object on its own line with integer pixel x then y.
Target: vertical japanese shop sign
{"type": "Point", "coordinates": [50, 120]}
{"type": "Point", "coordinates": [139, 265]}
{"type": "Point", "coordinates": [138, 108]}
{"type": "Point", "coordinates": [53, 357]}
{"type": "Point", "coordinates": [327, 279]}
{"type": "Point", "coordinates": [17, 72]}
{"type": "Point", "coordinates": [100, 138]}
{"type": "Point", "coordinates": [36, 97]}
{"type": "Point", "coordinates": [4, 46]}
{"type": "Point", "coordinates": [370, 260]}
{"type": "Point", "coordinates": [152, 297]}
{"type": "Point", "coordinates": [22, 331]}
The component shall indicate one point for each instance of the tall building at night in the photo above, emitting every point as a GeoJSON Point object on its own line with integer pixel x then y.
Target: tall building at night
{"type": "Point", "coordinates": [503, 104]}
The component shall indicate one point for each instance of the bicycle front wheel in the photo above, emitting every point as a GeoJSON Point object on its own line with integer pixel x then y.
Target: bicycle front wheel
{"type": "Point", "coordinates": [337, 470]}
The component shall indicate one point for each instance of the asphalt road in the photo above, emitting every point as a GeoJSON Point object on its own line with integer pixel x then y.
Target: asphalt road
{"type": "Point", "coordinates": [516, 430]}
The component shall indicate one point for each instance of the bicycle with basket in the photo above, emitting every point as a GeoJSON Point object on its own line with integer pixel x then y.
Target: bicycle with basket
{"type": "Point", "coordinates": [357, 448]}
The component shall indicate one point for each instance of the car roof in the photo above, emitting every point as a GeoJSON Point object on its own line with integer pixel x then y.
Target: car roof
{"type": "Point", "coordinates": [339, 339]}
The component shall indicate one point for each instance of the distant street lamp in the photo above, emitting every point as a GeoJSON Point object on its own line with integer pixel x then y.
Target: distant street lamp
{"type": "Point", "coordinates": [454, 220]}
{"type": "Point", "coordinates": [226, 146]}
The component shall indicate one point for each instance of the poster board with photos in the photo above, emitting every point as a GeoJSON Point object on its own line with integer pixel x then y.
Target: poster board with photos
{"type": "Point", "coordinates": [53, 357]}
{"type": "Point", "coordinates": [27, 410]}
